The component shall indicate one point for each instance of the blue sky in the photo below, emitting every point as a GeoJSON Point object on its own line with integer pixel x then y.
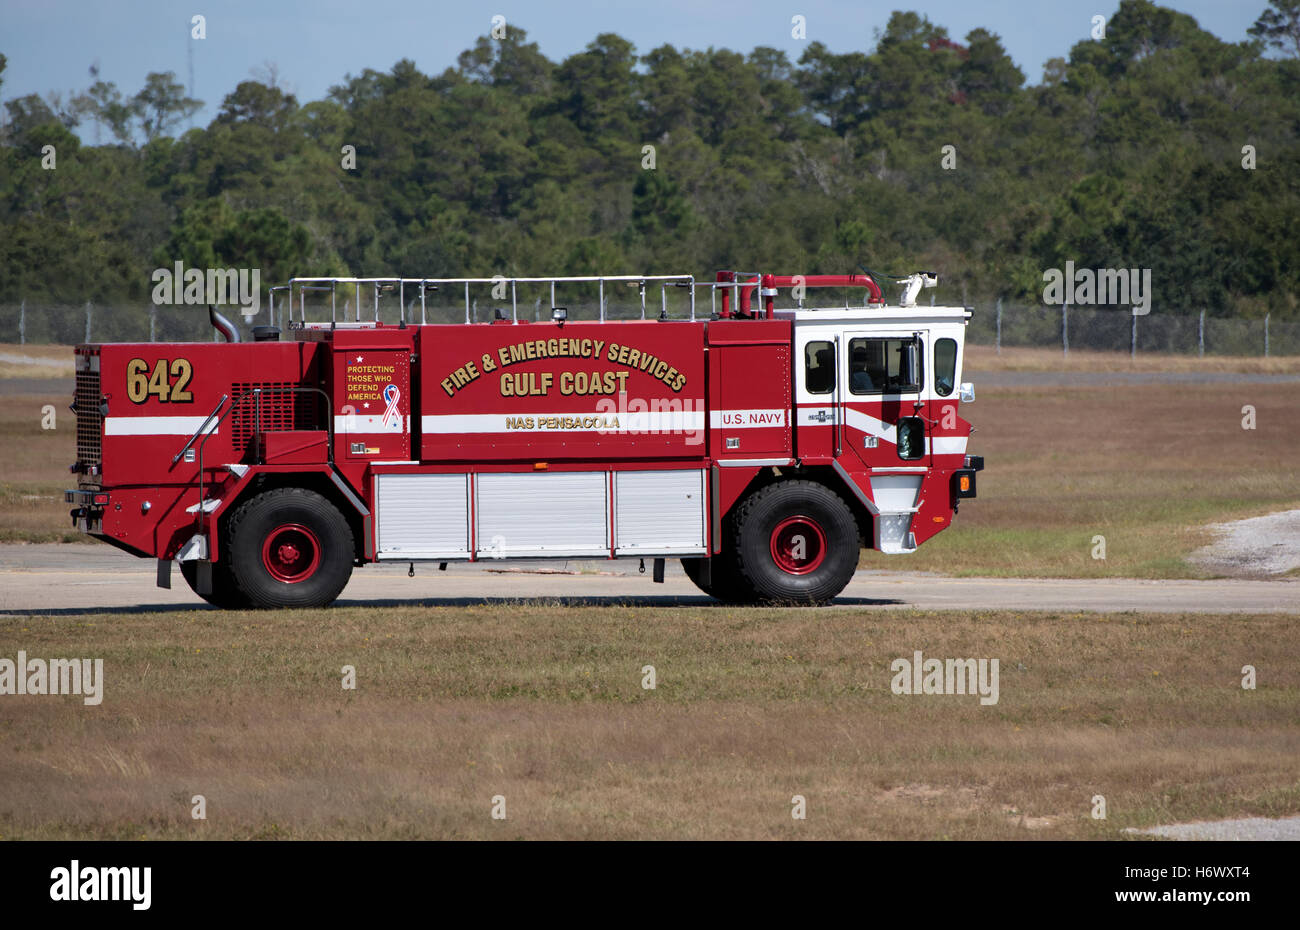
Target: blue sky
{"type": "Point", "coordinates": [51, 44]}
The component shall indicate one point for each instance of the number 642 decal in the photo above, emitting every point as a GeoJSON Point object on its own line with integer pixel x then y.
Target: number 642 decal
{"type": "Point", "coordinates": [141, 382]}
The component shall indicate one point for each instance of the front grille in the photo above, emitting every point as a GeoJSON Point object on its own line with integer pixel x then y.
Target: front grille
{"type": "Point", "coordinates": [280, 409]}
{"type": "Point", "coordinates": [90, 421]}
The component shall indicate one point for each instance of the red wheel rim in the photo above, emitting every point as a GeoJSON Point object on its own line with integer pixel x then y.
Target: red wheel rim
{"type": "Point", "coordinates": [798, 545]}
{"type": "Point", "coordinates": [291, 553]}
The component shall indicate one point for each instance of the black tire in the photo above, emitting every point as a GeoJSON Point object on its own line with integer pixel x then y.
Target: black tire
{"type": "Point", "coordinates": [289, 548]}
{"type": "Point", "coordinates": [224, 594]}
{"type": "Point", "coordinates": [725, 583]}
{"type": "Point", "coordinates": [796, 543]}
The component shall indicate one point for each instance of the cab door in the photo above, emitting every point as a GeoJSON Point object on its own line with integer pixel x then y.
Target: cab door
{"type": "Point", "coordinates": [817, 394]}
{"type": "Point", "coordinates": [882, 383]}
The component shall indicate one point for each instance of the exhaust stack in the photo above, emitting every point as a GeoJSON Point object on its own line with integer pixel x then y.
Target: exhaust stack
{"type": "Point", "coordinates": [222, 325]}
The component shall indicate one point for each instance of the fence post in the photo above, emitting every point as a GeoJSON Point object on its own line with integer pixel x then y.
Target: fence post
{"type": "Point", "coordinates": [1266, 335]}
{"type": "Point", "coordinates": [1133, 343]}
{"type": "Point", "coordinates": [153, 315]}
{"type": "Point", "coordinates": [1200, 335]}
{"type": "Point", "coordinates": [22, 324]}
{"type": "Point", "coordinates": [87, 321]}
{"type": "Point", "coordinates": [1065, 327]}
{"type": "Point", "coordinates": [999, 326]}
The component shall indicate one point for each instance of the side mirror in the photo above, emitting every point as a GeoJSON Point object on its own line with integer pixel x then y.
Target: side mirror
{"type": "Point", "coordinates": [967, 392]}
{"type": "Point", "coordinates": [913, 358]}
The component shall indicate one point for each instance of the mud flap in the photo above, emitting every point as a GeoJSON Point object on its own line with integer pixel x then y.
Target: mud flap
{"type": "Point", "coordinates": [203, 577]}
{"type": "Point", "coordinates": [165, 573]}
{"type": "Point", "coordinates": [659, 571]}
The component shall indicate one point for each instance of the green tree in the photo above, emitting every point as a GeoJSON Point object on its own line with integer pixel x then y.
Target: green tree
{"type": "Point", "coordinates": [258, 104]}
{"type": "Point", "coordinates": [102, 102]}
{"type": "Point", "coordinates": [162, 104]}
{"type": "Point", "coordinates": [595, 90]}
{"type": "Point", "coordinates": [510, 63]}
{"type": "Point", "coordinates": [1128, 153]}
{"type": "Point", "coordinates": [211, 234]}
{"type": "Point", "coordinates": [988, 77]}
{"type": "Point", "coordinates": [1279, 26]}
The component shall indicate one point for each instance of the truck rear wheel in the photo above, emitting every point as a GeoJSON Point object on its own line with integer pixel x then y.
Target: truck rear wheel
{"type": "Point", "coordinates": [289, 548]}
{"type": "Point", "coordinates": [224, 594]}
{"type": "Point", "coordinates": [796, 542]}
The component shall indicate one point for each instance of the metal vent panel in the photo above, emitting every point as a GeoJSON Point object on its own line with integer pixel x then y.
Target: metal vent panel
{"type": "Point", "coordinates": [279, 410]}
{"type": "Point", "coordinates": [422, 516]}
{"type": "Point", "coordinates": [90, 422]}
{"type": "Point", "coordinates": [543, 514]}
{"type": "Point", "coordinates": [659, 512]}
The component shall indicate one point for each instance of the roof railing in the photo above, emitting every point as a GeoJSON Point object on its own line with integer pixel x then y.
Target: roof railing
{"type": "Point", "coordinates": [737, 287]}
{"type": "Point", "coordinates": [373, 287]}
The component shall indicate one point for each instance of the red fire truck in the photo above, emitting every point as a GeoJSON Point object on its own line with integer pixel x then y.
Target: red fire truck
{"type": "Point", "coordinates": [760, 446]}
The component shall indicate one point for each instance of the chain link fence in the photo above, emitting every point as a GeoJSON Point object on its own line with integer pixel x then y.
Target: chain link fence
{"type": "Point", "coordinates": [1042, 327]}
{"type": "Point", "coordinates": [68, 325]}
{"type": "Point", "coordinates": [1118, 330]}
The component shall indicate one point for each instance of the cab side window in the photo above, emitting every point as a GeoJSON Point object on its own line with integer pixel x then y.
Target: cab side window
{"type": "Point", "coordinates": [884, 366]}
{"type": "Point", "coordinates": [819, 367]}
{"type": "Point", "coordinates": [945, 366]}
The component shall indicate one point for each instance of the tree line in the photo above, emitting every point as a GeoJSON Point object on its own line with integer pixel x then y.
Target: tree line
{"type": "Point", "coordinates": [1155, 146]}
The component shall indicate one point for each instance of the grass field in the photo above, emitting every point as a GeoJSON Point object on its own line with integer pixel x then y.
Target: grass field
{"type": "Point", "coordinates": [1147, 467]}
{"type": "Point", "coordinates": [34, 468]}
{"type": "Point", "coordinates": [35, 361]}
{"type": "Point", "coordinates": [544, 705]}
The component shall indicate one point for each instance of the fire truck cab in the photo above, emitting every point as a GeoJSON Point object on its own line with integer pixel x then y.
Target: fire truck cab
{"type": "Point", "coordinates": [762, 446]}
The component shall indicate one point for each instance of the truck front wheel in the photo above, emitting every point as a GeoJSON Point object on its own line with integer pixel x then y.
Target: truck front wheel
{"type": "Point", "coordinates": [797, 543]}
{"type": "Point", "coordinates": [289, 548]}
{"type": "Point", "coordinates": [224, 594]}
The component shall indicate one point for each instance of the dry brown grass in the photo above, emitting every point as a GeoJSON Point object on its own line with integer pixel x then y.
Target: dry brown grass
{"type": "Point", "coordinates": [986, 358]}
{"type": "Point", "coordinates": [34, 469]}
{"type": "Point", "coordinates": [543, 704]}
{"type": "Point", "coordinates": [35, 361]}
{"type": "Point", "coordinates": [46, 352]}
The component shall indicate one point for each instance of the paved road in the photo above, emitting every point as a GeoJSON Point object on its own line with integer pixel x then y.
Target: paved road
{"type": "Point", "coordinates": [1250, 828]}
{"type": "Point", "coordinates": [36, 386]}
{"type": "Point", "coordinates": [74, 578]}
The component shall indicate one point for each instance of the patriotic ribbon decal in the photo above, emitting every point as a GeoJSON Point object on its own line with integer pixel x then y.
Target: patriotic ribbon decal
{"type": "Point", "coordinates": [392, 395]}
